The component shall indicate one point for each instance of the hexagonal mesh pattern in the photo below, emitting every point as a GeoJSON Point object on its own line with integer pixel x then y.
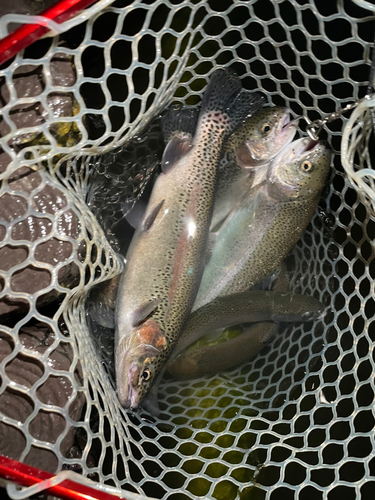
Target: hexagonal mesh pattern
{"type": "Point", "coordinates": [296, 421]}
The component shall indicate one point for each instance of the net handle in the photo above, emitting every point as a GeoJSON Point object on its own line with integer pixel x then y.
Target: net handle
{"type": "Point", "coordinates": [25, 35]}
{"type": "Point", "coordinates": [60, 485]}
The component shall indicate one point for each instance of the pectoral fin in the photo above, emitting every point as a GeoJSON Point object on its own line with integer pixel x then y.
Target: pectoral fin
{"type": "Point", "coordinates": [152, 216]}
{"type": "Point", "coordinates": [143, 311]}
{"type": "Point", "coordinates": [101, 302]}
{"type": "Point", "coordinates": [104, 315]}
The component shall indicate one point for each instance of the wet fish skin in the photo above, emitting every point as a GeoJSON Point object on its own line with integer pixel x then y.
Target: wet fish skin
{"type": "Point", "coordinates": [248, 307]}
{"type": "Point", "coordinates": [247, 154]}
{"type": "Point", "coordinates": [263, 136]}
{"type": "Point", "coordinates": [207, 358]}
{"type": "Point", "coordinates": [253, 145]}
{"type": "Point", "coordinates": [262, 309]}
{"type": "Point", "coordinates": [165, 262]}
{"type": "Point", "coordinates": [257, 237]}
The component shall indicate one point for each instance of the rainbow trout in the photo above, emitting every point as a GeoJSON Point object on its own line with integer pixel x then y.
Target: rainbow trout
{"type": "Point", "coordinates": [247, 155]}
{"type": "Point", "coordinates": [165, 262]}
{"type": "Point", "coordinates": [235, 345]}
{"type": "Point", "coordinates": [248, 307]}
{"type": "Point", "coordinates": [208, 358]}
{"type": "Point", "coordinates": [223, 312]}
{"type": "Point", "coordinates": [256, 237]}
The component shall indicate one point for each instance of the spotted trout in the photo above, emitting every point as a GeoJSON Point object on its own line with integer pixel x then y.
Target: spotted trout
{"type": "Point", "coordinates": [247, 155]}
{"type": "Point", "coordinates": [164, 261]}
{"type": "Point", "coordinates": [257, 236]}
{"type": "Point", "coordinates": [245, 307]}
{"type": "Point", "coordinates": [248, 307]}
{"type": "Point", "coordinates": [219, 350]}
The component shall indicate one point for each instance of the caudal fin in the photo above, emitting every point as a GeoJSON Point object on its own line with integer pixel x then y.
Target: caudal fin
{"type": "Point", "coordinates": [224, 94]}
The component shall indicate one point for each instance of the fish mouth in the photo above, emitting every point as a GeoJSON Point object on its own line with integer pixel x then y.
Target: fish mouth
{"type": "Point", "coordinates": [303, 145]}
{"type": "Point", "coordinates": [288, 131]}
{"type": "Point", "coordinates": [311, 145]}
{"type": "Point", "coordinates": [131, 401]}
{"type": "Point", "coordinates": [133, 395]}
{"type": "Point", "coordinates": [133, 398]}
{"type": "Point", "coordinates": [126, 392]}
{"type": "Point", "coordinates": [288, 123]}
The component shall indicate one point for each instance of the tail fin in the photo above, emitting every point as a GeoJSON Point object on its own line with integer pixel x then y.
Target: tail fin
{"type": "Point", "coordinates": [224, 94]}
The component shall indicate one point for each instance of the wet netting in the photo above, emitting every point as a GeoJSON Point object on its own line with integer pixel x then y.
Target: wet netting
{"type": "Point", "coordinates": [79, 141]}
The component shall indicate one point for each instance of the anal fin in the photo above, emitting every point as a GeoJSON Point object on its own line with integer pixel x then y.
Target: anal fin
{"type": "Point", "coordinates": [179, 126]}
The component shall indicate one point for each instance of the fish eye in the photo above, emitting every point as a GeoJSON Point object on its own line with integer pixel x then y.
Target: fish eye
{"type": "Point", "coordinates": [146, 374]}
{"type": "Point", "coordinates": [307, 166]}
{"type": "Point", "coordinates": [265, 128]}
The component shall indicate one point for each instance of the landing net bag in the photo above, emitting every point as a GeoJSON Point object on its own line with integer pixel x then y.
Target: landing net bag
{"type": "Point", "coordinates": [297, 421]}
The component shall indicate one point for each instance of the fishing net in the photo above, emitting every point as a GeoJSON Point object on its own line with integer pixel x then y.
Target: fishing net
{"type": "Point", "coordinates": [296, 422]}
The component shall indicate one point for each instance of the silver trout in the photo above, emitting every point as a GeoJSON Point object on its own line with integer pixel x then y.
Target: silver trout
{"type": "Point", "coordinates": [165, 262]}
{"type": "Point", "coordinates": [247, 155]}
{"type": "Point", "coordinates": [248, 307]}
{"type": "Point", "coordinates": [209, 359]}
{"type": "Point", "coordinates": [256, 237]}
{"type": "Point", "coordinates": [234, 346]}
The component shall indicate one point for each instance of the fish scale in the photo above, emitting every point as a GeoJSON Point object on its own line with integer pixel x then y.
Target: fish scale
{"type": "Point", "coordinates": [247, 154]}
{"type": "Point", "coordinates": [234, 179]}
{"type": "Point", "coordinates": [258, 235]}
{"type": "Point", "coordinates": [165, 262]}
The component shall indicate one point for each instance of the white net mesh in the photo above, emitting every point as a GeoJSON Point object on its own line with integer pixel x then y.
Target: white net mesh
{"type": "Point", "coordinates": [295, 422]}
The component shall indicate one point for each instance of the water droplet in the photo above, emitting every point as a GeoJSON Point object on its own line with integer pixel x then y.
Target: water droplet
{"type": "Point", "coordinates": [327, 217]}
{"type": "Point", "coordinates": [333, 252]}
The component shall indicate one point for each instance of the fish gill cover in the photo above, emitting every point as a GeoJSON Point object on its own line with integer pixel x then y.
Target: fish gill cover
{"type": "Point", "coordinates": [295, 422]}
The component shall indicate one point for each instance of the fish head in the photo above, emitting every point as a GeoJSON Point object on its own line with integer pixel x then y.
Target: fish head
{"type": "Point", "coordinates": [299, 171]}
{"type": "Point", "coordinates": [137, 362]}
{"type": "Point", "coordinates": [263, 135]}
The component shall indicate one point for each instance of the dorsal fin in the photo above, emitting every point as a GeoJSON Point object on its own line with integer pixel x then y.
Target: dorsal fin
{"type": "Point", "coordinates": [179, 122]}
{"type": "Point", "coordinates": [143, 311]}
{"type": "Point", "coordinates": [224, 94]}
{"type": "Point", "coordinates": [152, 216]}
